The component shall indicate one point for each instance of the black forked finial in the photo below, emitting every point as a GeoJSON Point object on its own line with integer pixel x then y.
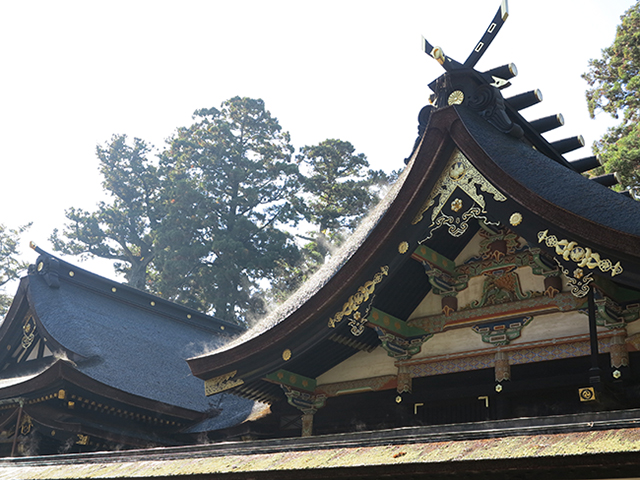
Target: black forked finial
{"type": "Point", "coordinates": [463, 85]}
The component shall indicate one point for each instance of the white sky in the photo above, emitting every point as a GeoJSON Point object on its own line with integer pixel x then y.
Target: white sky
{"type": "Point", "coordinates": [74, 73]}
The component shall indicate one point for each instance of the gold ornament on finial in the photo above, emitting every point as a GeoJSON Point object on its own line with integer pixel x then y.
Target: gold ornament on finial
{"type": "Point", "coordinates": [456, 98]}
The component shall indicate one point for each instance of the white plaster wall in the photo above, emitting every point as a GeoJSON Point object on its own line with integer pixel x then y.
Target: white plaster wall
{"type": "Point", "coordinates": [633, 328]}
{"type": "Point", "coordinates": [554, 326]}
{"type": "Point", "coordinates": [530, 282]}
{"type": "Point", "coordinates": [452, 341]}
{"type": "Point", "coordinates": [471, 293]}
{"type": "Point", "coordinates": [430, 305]}
{"type": "Point", "coordinates": [361, 365]}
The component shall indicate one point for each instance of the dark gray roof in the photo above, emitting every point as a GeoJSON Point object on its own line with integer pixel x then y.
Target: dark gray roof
{"type": "Point", "coordinates": [554, 182]}
{"type": "Point", "coordinates": [129, 346]}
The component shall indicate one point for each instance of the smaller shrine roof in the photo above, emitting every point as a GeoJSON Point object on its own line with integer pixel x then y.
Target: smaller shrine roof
{"type": "Point", "coordinates": [127, 339]}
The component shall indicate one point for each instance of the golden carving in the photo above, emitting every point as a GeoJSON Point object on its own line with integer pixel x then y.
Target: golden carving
{"type": "Point", "coordinates": [456, 205]}
{"type": "Point", "coordinates": [456, 98]}
{"type": "Point", "coordinates": [221, 383]}
{"type": "Point", "coordinates": [26, 425]}
{"type": "Point", "coordinates": [403, 247]}
{"type": "Point", "coordinates": [28, 333]}
{"type": "Point", "coordinates": [361, 296]}
{"type": "Point", "coordinates": [579, 282]}
{"type": "Point", "coordinates": [582, 257]}
{"type": "Point", "coordinates": [286, 355]}
{"type": "Point", "coordinates": [82, 439]}
{"type": "Point", "coordinates": [587, 394]}
{"type": "Point", "coordinates": [515, 219]}
{"type": "Point", "coordinates": [458, 173]}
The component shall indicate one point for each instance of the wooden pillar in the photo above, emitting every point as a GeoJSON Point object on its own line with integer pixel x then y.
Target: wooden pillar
{"type": "Point", "coordinates": [404, 379]}
{"type": "Point", "coordinates": [502, 367]}
{"type": "Point", "coordinates": [307, 424]}
{"type": "Point", "coordinates": [15, 436]}
{"type": "Point", "coordinates": [307, 403]}
{"type": "Point", "coordinates": [618, 349]}
{"type": "Point", "coordinates": [594, 372]}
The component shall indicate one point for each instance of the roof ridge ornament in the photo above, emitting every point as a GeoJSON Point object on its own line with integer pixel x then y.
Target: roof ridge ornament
{"type": "Point", "coordinates": [480, 91]}
{"type": "Point", "coordinates": [450, 64]}
{"type": "Point", "coordinates": [463, 85]}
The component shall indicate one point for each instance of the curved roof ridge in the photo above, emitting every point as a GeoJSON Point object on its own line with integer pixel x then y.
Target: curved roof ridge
{"type": "Point", "coordinates": [326, 272]}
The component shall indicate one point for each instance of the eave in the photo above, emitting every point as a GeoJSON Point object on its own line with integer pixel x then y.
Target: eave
{"type": "Point", "coordinates": [62, 370]}
{"type": "Point", "coordinates": [305, 327]}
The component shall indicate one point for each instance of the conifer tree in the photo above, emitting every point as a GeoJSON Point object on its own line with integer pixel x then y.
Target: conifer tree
{"type": "Point", "coordinates": [10, 266]}
{"type": "Point", "coordinates": [614, 82]}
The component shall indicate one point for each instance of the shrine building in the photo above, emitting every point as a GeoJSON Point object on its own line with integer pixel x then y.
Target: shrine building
{"type": "Point", "coordinates": [483, 322]}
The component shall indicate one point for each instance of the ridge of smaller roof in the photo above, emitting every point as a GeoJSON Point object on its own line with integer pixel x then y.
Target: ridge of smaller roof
{"type": "Point", "coordinates": [59, 269]}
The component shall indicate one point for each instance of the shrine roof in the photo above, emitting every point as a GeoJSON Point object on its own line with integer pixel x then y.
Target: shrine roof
{"type": "Point", "coordinates": [547, 194]}
{"type": "Point", "coordinates": [550, 180]}
{"type": "Point", "coordinates": [124, 338]}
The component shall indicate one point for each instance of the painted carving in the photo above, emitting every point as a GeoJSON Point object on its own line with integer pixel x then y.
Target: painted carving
{"type": "Point", "coordinates": [458, 173]}
{"type": "Point", "coordinates": [404, 380]}
{"type": "Point", "coordinates": [613, 316]}
{"type": "Point", "coordinates": [581, 256]}
{"type": "Point", "coordinates": [355, 301]}
{"type": "Point", "coordinates": [520, 354]}
{"type": "Point", "coordinates": [562, 302]}
{"type": "Point", "coordinates": [356, 386]}
{"type": "Point", "coordinates": [502, 367]}
{"type": "Point", "coordinates": [398, 347]}
{"type": "Point", "coordinates": [552, 286]}
{"type": "Point", "coordinates": [221, 383]}
{"type": "Point", "coordinates": [501, 285]}
{"type": "Point", "coordinates": [502, 333]}
{"type": "Point", "coordinates": [618, 350]}
{"type": "Point", "coordinates": [307, 403]}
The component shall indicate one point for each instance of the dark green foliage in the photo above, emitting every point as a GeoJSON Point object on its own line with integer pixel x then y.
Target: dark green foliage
{"type": "Point", "coordinates": [232, 185]}
{"type": "Point", "coordinates": [614, 82]}
{"type": "Point", "coordinates": [339, 190]}
{"type": "Point", "coordinates": [204, 223]}
{"type": "Point", "coordinates": [10, 267]}
{"type": "Point", "coordinates": [126, 228]}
